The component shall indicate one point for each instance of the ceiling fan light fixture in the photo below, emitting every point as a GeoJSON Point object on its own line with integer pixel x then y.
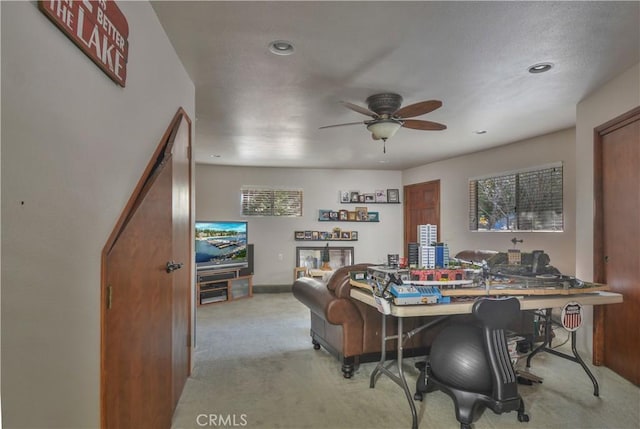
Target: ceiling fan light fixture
{"type": "Point", "coordinates": [384, 128]}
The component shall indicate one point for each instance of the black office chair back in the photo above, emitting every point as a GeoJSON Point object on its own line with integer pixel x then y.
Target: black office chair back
{"type": "Point", "coordinates": [495, 315]}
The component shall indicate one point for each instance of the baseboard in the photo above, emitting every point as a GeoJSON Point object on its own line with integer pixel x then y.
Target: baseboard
{"type": "Point", "coordinates": [271, 288]}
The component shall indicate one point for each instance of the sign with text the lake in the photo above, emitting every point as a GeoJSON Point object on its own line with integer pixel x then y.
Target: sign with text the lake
{"type": "Point", "coordinates": [98, 28]}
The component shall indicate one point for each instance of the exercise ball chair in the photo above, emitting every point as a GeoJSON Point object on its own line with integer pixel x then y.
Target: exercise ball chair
{"type": "Point", "coordinates": [471, 364]}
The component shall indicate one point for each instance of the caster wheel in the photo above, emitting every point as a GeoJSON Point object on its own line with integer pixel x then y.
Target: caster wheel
{"type": "Point", "coordinates": [316, 346]}
{"type": "Point", "coordinates": [523, 417]}
{"type": "Point", "coordinates": [417, 396]}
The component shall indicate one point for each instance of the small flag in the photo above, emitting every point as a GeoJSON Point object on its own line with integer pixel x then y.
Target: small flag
{"type": "Point", "coordinates": [571, 316]}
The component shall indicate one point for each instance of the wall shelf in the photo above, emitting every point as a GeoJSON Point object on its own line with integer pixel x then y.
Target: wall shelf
{"type": "Point", "coordinates": [360, 214]}
{"type": "Point", "coordinates": [336, 235]}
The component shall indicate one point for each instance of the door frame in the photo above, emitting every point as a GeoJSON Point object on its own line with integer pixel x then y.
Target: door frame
{"type": "Point", "coordinates": [598, 223]}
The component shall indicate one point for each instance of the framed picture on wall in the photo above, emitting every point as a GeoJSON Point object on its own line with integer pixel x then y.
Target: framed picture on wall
{"type": "Point", "coordinates": [345, 196]}
{"type": "Point", "coordinates": [393, 195]}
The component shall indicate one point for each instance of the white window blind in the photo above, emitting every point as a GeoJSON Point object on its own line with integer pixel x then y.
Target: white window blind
{"type": "Point", "coordinates": [262, 201]}
{"type": "Point", "coordinates": [521, 201]}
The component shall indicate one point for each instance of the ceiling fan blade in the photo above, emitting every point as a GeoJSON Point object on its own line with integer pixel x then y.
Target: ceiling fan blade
{"type": "Point", "coordinates": [359, 109]}
{"type": "Point", "coordinates": [418, 109]}
{"type": "Point", "coordinates": [417, 124]}
{"type": "Point", "coordinates": [342, 125]}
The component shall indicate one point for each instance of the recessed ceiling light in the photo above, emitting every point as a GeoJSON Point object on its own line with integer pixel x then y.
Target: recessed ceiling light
{"type": "Point", "coordinates": [540, 68]}
{"type": "Point", "coordinates": [281, 47]}
{"type": "Point", "coordinates": [215, 156]}
{"type": "Point", "coordinates": [480, 132]}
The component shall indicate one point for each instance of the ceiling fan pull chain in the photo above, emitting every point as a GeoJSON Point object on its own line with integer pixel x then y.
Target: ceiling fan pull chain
{"type": "Point", "coordinates": [384, 146]}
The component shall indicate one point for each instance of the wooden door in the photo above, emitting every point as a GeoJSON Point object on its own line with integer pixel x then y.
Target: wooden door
{"type": "Point", "coordinates": [146, 309]}
{"type": "Point", "coordinates": [617, 245]}
{"type": "Point", "coordinates": [421, 207]}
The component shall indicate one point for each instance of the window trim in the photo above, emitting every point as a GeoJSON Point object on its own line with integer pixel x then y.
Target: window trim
{"type": "Point", "coordinates": [473, 218]}
{"type": "Point", "coordinates": [272, 191]}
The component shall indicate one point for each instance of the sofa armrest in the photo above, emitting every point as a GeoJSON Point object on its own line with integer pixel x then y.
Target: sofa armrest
{"type": "Point", "coordinates": [320, 300]}
{"type": "Point", "coordinates": [314, 294]}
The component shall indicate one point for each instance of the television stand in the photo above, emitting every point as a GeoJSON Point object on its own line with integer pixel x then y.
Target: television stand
{"type": "Point", "coordinates": [222, 285]}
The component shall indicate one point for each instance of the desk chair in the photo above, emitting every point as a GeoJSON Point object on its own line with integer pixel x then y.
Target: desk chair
{"type": "Point", "coordinates": [471, 364]}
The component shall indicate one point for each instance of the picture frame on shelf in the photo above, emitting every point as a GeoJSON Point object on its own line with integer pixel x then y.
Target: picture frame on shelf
{"type": "Point", "coordinates": [393, 195]}
{"type": "Point", "coordinates": [314, 235]}
{"type": "Point", "coordinates": [343, 215]}
{"type": "Point", "coordinates": [373, 217]}
{"type": "Point", "coordinates": [346, 235]}
{"type": "Point", "coordinates": [333, 215]}
{"type": "Point", "coordinates": [324, 214]}
{"type": "Point", "coordinates": [354, 235]}
{"type": "Point", "coordinates": [345, 197]}
{"type": "Point", "coordinates": [354, 196]}
{"type": "Point", "coordinates": [362, 214]}
{"type": "Point", "coordinates": [361, 198]}
{"type": "Point", "coordinates": [369, 198]}
{"type": "Point", "coordinates": [380, 196]}
{"type": "Point", "coordinates": [351, 215]}
{"type": "Point", "coordinates": [299, 235]}
{"type": "Point", "coordinates": [307, 235]}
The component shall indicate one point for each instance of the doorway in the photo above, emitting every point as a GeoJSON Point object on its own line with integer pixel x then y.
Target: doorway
{"type": "Point", "coordinates": [421, 207]}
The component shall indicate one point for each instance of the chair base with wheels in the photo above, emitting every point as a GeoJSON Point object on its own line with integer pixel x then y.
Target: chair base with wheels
{"type": "Point", "coordinates": [471, 364]}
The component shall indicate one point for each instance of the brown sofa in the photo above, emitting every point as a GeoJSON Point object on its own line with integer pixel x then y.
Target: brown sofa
{"type": "Point", "coordinates": [349, 329]}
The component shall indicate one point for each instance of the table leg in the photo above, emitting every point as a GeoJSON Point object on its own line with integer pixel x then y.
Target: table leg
{"type": "Point", "coordinates": [575, 358]}
{"type": "Point", "coordinates": [403, 380]}
{"type": "Point", "coordinates": [383, 354]}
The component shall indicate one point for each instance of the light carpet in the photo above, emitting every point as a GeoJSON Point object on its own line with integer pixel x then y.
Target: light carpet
{"type": "Point", "coordinates": [255, 367]}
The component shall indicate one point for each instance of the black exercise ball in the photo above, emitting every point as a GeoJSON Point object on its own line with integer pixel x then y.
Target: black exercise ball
{"type": "Point", "coordinates": [458, 359]}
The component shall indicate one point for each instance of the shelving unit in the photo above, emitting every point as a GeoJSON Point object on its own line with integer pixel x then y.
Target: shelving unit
{"type": "Point", "coordinates": [221, 285]}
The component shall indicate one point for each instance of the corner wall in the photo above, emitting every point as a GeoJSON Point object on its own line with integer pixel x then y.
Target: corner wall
{"type": "Point", "coordinates": [454, 175]}
{"type": "Point", "coordinates": [74, 145]}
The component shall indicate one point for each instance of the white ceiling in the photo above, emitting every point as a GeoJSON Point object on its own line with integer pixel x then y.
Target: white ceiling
{"type": "Point", "coordinates": [254, 108]}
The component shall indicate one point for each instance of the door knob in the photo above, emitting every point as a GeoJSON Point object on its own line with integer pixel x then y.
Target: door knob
{"type": "Point", "coordinates": [172, 266]}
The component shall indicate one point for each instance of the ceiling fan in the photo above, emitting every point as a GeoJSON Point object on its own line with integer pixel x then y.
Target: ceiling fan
{"type": "Point", "coordinates": [388, 117]}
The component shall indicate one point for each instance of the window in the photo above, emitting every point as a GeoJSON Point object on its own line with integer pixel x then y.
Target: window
{"type": "Point", "coordinates": [528, 200]}
{"type": "Point", "coordinates": [261, 201]}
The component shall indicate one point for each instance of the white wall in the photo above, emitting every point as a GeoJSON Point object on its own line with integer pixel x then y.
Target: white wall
{"type": "Point", "coordinates": [218, 198]}
{"type": "Point", "coordinates": [454, 175]}
{"type": "Point", "coordinates": [611, 100]}
{"type": "Point", "coordinates": [74, 146]}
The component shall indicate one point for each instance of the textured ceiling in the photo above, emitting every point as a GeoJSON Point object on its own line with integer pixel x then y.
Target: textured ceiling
{"type": "Point", "coordinates": [254, 108]}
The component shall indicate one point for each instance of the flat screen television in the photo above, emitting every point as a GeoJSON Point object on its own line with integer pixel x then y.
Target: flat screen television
{"type": "Point", "coordinates": [221, 244]}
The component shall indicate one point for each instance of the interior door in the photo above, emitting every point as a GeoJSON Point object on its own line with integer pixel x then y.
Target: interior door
{"type": "Point", "coordinates": [421, 207]}
{"type": "Point", "coordinates": [617, 245]}
{"type": "Point", "coordinates": [146, 308]}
